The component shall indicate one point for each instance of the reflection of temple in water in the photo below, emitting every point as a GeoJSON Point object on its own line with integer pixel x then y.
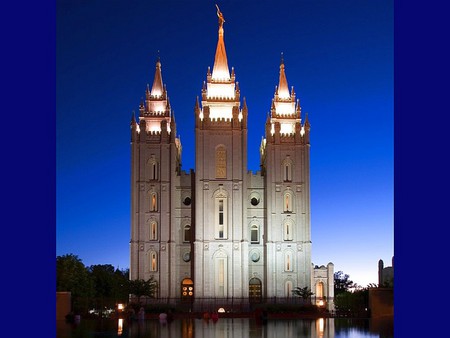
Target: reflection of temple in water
{"type": "Point", "coordinates": [234, 327]}
{"type": "Point", "coordinates": [223, 232]}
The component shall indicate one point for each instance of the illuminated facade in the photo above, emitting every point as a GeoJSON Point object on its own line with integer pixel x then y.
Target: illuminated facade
{"type": "Point", "coordinates": [222, 232]}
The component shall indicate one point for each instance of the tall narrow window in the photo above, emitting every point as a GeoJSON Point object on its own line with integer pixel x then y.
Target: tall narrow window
{"type": "Point", "coordinates": [153, 231]}
{"type": "Point", "coordinates": [287, 170]}
{"type": "Point", "coordinates": [151, 169]}
{"type": "Point", "coordinates": [319, 290]}
{"type": "Point", "coordinates": [288, 230]}
{"type": "Point", "coordinates": [254, 234]}
{"type": "Point", "coordinates": [221, 219]}
{"type": "Point", "coordinates": [221, 162]}
{"type": "Point", "coordinates": [187, 233]}
{"type": "Point", "coordinates": [287, 202]}
{"type": "Point", "coordinates": [153, 261]}
{"type": "Point", "coordinates": [288, 261]}
{"type": "Point", "coordinates": [154, 171]}
{"type": "Point", "coordinates": [288, 288]}
{"type": "Point", "coordinates": [220, 274]}
{"type": "Point", "coordinates": [153, 202]}
{"type": "Point", "coordinates": [220, 214]}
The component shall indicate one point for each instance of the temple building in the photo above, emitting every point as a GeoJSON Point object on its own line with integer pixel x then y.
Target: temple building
{"type": "Point", "coordinates": [222, 232]}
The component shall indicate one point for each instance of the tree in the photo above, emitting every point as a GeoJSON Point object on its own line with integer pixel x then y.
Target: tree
{"type": "Point", "coordinates": [121, 287]}
{"type": "Point", "coordinates": [72, 275]}
{"type": "Point", "coordinates": [342, 283]}
{"type": "Point", "coordinates": [103, 279]}
{"type": "Point", "coordinates": [305, 293]}
{"type": "Point", "coordinates": [141, 287]}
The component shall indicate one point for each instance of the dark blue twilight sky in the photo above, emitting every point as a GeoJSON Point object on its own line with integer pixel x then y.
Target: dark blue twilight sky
{"type": "Point", "coordinates": [338, 56]}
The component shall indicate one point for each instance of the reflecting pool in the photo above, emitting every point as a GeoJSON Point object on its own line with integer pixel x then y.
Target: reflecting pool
{"type": "Point", "coordinates": [228, 327]}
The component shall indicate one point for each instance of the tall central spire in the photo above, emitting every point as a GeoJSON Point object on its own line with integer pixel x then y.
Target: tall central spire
{"type": "Point", "coordinates": [157, 88]}
{"type": "Point", "coordinates": [283, 89]}
{"type": "Point", "coordinates": [220, 70]}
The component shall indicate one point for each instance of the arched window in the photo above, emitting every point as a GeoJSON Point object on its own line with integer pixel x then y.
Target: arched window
{"type": "Point", "coordinates": [288, 289]}
{"type": "Point", "coordinates": [254, 234]}
{"type": "Point", "coordinates": [153, 231]}
{"type": "Point", "coordinates": [152, 169]}
{"type": "Point", "coordinates": [221, 273]}
{"type": "Point", "coordinates": [153, 201]}
{"type": "Point", "coordinates": [153, 261]}
{"type": "Point", "coordinates": [319, 290]}
{"type": "Point", "coordinates": [221, 162]}
{"type": "Point", "coordinates": [288, 261]}
{"type": "Point", "coordinates": [221, 209]}
{"type": "Point", "coordinates": [287, 201]}
{"type": "Point", "coordinates": [187, 233]}
{"type": "Point", "coordinates": [287, 170]}
{"type": "Point", "coordinates": [288, 233]}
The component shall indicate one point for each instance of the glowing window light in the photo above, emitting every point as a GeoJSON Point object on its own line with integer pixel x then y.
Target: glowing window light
{"type": "Point", "coordinates": [220, 90]}
{"type": "Point", "coordinates": [220, 74]}
{"type": "Point", "coordinates": [272, 129]}
{"type": "Point", "coordinates": [120, 307]}
{"type": "Point", "coordinates": [216, 112]}
{"type": "Point", "coordinates": [240, 116]}
{"type": "Point", "coordinates": [154, 126]}
{"type": "Point", "coordinates": [287, 128]}
{"type": "Point", "coordinates": [158, 106]}
{"type": "Point", "coordinates": [285, 108]}
{"type": "Point", "coordinates": [302, 131]}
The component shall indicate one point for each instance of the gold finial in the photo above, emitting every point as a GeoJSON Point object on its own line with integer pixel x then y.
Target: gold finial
{"type": "Point", "coordinates": [220, 15]}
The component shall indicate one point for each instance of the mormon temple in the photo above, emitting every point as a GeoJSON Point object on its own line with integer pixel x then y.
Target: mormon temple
{"type": "Point", "coordinates": [222, 232]}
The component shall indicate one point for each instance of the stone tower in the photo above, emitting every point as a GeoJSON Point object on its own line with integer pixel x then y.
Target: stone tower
{"type": "Point", "coordinates": [285, 166]}
{"type": "Point", "coordinates": [155, 168]}
{"type": "Point", "coordinates": [221, 242]}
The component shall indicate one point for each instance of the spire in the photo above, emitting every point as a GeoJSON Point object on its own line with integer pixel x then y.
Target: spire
{"type": "Point", "coordinates": [283, 89]}
{"type": "Point", "coordinates": [157, 88]}
{"type": "Point", "coordinates": [220, 69]}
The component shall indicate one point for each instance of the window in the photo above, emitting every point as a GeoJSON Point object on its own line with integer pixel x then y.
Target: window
{"type": "Point", "coordinates": [152, 168]}
{"type": "Point", "coordinates": [288, 288]}
{"type": "Point", "coordinates": [288, 264]}
{"type": "Point", "coordinates": [288, 230]}
{"type": "Point", "coordinates": [220, 213]}
{"type": "Point", "coordinates": [254, 234]}
{"type": "Point", "coordinates": [287, 202]}
{"type": "Point", "coordinates": [221, 224]}
{"type": "Point", "coordinates": [153, 231]}
{"type": "Point", "coordinates": [153, 261]}
{"type": "Point", "coordinates": [187, 233]}
{"type": "Point", "coordinates": [154, 174]}
{"type": "Point", "coordinates": [221, 274]}
{"type": "Point", "coordinates": [153, 202]}
{"type": "Point", "coordinates": [287, 169]}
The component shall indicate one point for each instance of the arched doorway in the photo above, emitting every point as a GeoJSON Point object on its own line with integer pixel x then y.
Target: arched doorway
{"type": "Point", "coordinates": [187, 289]}
{"type": "Point", "coordinates": [255, 290]}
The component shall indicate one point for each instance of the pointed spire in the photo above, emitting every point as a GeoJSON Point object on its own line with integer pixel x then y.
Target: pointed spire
{"type": "Point", "coordinates": [220, 69]}
{"type": "Point", "coordinates": [133, 118]}
{"type": "Point", "coordinates": [306, 124]}
{"type": "Point", "coordinates": [157, 88]}
{"type": "Point", "coordinates": [283, 89]}
{"type": "Point", "coordinates": [197, 105]}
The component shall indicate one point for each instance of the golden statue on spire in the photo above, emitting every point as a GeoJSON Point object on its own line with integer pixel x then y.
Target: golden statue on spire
{"type": "Point", "coordinates": [220, 15]}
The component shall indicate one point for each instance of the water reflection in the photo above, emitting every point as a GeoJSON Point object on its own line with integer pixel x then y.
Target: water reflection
{"type": "Point", "coordinates": [229, 327]}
